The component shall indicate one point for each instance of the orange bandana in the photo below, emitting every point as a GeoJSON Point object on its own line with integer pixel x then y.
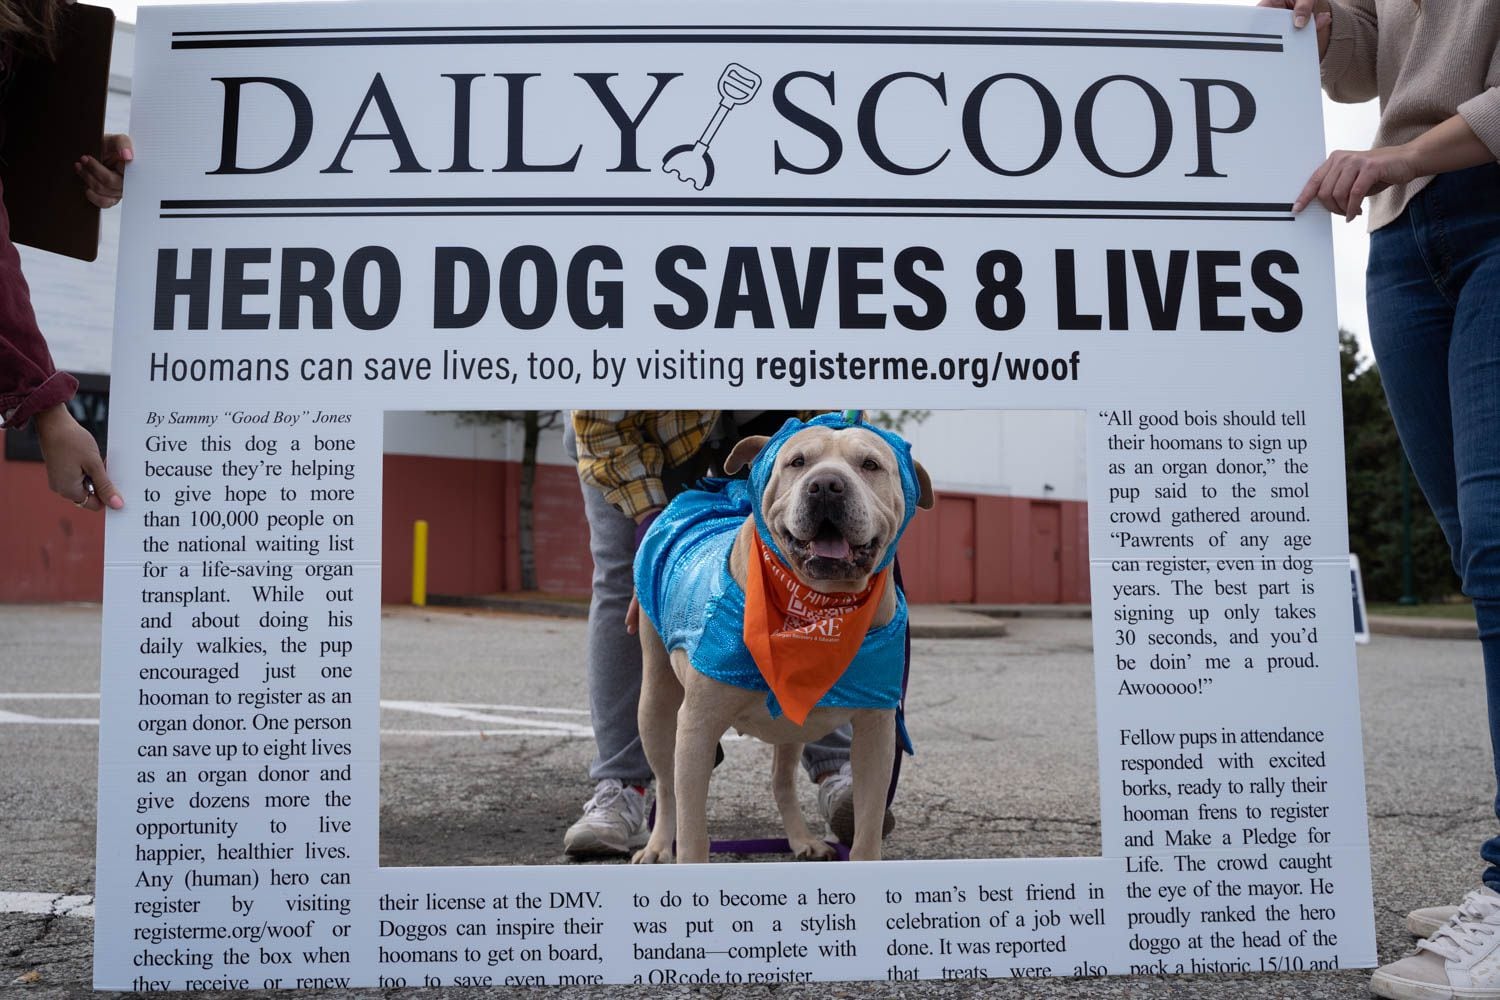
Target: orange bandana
{"type": "Point", "coordinates": [802, 640]}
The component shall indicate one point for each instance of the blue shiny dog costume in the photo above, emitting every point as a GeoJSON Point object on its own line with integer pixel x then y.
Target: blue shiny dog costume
{"type": "Point", "coordinates": [683, 583]}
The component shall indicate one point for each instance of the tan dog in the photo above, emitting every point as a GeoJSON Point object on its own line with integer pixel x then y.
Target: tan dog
{"type": "Point", "coordinates": [834, 504]}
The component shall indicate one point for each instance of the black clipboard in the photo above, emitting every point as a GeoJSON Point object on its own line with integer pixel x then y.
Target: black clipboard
{"type": "Point", "coordinates": [53, 114]}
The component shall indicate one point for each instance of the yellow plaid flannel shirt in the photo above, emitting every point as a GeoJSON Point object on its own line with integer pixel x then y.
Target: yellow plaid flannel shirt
{"type": "Point", "coordinates": [622, 452]}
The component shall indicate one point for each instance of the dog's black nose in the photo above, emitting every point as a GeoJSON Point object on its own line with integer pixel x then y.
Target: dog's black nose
{"type": "Point", "coordinates": [825, 484]}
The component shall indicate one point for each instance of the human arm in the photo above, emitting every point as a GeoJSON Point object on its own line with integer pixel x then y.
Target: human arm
{"type": "Point", "coordinates": [623, 453]}
{"type": "Point", "coordinates": [618, 458]}
{"type": "Point", "coordinates": [1348, 177]}
{"type": "Point", "coordinates": [29, 382]}
{"type": "Point", "coordinates": [104, 178]}
{"type": "Point", "coordinates": [1482, 111]}
{"type": "Point", "coordinates": [32, 390]}
{"type": "Point", "coordinates": [1348, 33]}
{"type": "Point", "coordinates": [1348, 58]}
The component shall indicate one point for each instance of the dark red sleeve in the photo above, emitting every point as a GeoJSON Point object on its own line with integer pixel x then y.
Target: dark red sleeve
{"type": "Point", "coordinates": [29, 383]}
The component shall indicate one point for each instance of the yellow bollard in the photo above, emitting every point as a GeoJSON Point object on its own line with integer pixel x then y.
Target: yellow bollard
{"type": "Point", "coordinates": [419, 564]}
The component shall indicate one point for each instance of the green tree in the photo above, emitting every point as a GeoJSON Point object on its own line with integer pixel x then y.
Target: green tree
{"type": "Point", "coordinates": [896, 420]}
{"type": "Point", "coordinates": [1373, 460]}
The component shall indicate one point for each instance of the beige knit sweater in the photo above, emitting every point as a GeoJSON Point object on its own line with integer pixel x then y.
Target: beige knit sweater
{"type": "Point", "coordinates": [1425, 64]}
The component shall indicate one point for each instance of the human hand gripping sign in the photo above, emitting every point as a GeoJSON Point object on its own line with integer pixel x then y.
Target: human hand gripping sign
{"type": "Point", "coordinates": [75, 469]}
{"type": "Point", "coordinates": [1348, 177]}
{"type": "Point", "coordinates": [1317, 11]}
{"type": "Point", "coordinates": [104, 178]}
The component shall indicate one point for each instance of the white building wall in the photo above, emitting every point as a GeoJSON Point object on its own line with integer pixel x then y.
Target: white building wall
{"type": "Point", "coordinates": [1028, 453]}
{"type": "Point", "coordinates": [447, 435]}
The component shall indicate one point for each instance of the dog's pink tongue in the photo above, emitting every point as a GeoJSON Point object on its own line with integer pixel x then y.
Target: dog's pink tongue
{"type": "Point", "coordinates": [834, 548]}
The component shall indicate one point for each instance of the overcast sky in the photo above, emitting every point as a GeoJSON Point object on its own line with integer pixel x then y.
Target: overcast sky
{"type": "Point", "coordinates": [1347, 127]}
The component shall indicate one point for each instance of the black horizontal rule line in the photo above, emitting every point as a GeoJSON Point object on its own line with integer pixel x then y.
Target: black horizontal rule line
{"type": "Point", "coordinates": [700, 204]}
{"type": "Point", "coordinates": [998, 29]}
{"type": "Point", "coordinates": [724, 39]}
{"type": "Point", "coordinates": [726, 213]}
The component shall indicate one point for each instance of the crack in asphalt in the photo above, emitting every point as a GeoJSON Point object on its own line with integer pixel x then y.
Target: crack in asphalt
{"type": "Point", "coordinates": [928, 706]}
{"type": "Point", "coordinates": [1467, 814]}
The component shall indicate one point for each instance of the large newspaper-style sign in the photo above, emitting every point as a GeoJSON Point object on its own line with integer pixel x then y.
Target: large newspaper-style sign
{"type": "Point", "coordinates": [341, 210]}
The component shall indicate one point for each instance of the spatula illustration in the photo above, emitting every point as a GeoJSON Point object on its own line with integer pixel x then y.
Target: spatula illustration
{"type": "Point", "coordinates": [691, 162]}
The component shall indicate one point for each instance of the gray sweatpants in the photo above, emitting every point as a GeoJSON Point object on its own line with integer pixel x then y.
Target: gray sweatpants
{"type": "Point", "coordinates": [614, 655]}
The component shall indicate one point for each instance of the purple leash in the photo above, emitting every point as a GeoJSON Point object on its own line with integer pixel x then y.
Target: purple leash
{"type": "Point", "coordinates": [766, 845]}
{"type": "Point", "coordinates": [770, 845]}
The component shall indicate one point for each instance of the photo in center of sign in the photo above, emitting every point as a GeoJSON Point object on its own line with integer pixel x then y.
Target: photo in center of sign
{"type": "Point", "coordinates": [492, 692]}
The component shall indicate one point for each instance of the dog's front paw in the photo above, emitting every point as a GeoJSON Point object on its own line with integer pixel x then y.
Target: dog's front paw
{"type": "Point", "coordinates": [652, 854]}
{"type": "Point", "coordinates": [812, 850]}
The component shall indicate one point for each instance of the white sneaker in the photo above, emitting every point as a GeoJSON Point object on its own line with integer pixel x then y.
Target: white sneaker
{"type": "Point", "coordinates": [836, 806]}
{"type": "Point", "coordinates": [1460, 960]}
{"type": "Point", "coordinates": [613, 822]}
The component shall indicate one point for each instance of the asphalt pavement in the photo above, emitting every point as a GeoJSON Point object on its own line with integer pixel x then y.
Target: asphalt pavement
{"type": "Point", "coordinates": [485, 749]}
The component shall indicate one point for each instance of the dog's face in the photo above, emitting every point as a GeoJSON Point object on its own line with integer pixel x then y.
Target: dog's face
{"type": "Point", "coordinates": [833, 503]}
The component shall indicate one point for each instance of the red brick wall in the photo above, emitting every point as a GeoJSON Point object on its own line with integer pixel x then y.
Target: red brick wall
{"type": "Point", "coordinates": [462, 502]}
{"type": "Point", "coordinates": [472, 511]}
{"type": "Point", "coordinates": [1005, 566]}
{"type": "Point", "coordinates": [563, 565]}
{"type": "Point", "coordinates": [49, 550]}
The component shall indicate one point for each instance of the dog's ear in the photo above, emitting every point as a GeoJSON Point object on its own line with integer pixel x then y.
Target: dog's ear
{"type": "Point", "coordinates": [744, 453]}
{"type": "Point", "coordinates": [925, 496]}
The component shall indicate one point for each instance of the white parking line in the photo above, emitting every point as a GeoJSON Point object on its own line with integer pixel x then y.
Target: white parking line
{"type": "Point", "coordinates": [476, 714]}
{"type": "Point", "coordinates": [481, 733]}
{"type": "Point", "coordinates": [508, 708]}
{"type": "Point", "coordinates": [511, 717]}
{"type": "Point", "coordinates": [52, 696]}
{"type": "Point", "coordinates": [47, 904]}
{"type": "Point", "coordinates": [40, 720]}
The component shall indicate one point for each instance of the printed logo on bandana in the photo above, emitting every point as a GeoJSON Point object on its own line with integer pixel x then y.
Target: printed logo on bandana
{"type": "Point", "coordinates": [805, 620]}
{"type": "Point", "coordinates": [802, 640]}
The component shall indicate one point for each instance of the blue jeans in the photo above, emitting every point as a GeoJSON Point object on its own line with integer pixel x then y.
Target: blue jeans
{"type": "Point", "coordinates": [1433, 294]}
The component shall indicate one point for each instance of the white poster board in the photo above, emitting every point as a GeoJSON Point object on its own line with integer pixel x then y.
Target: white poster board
{"type": "Point", "coordinates": [1017, 205]}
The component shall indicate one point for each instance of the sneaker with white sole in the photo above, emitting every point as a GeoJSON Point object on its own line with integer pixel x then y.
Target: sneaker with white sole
{"type": "Point", "coordinates": [1426, 921]}
{"type": "Point", "coordinates": [613, 822]}
{"type": "Point", "coordinates": [836, 806]}
{"type": "Point", "coordinates": [1460, 960]}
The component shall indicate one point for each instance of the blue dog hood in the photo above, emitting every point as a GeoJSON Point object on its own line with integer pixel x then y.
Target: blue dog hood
{"type": "Point", "coordinates": [685, 589]}
{"type": "Point", "coordinates": [765, 463]}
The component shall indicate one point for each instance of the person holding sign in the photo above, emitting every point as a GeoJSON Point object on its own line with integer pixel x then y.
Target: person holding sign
{"type": "Point", "coordinates": [1433, 294]}
{"type": "Point", "coordinates": [31, 388]}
